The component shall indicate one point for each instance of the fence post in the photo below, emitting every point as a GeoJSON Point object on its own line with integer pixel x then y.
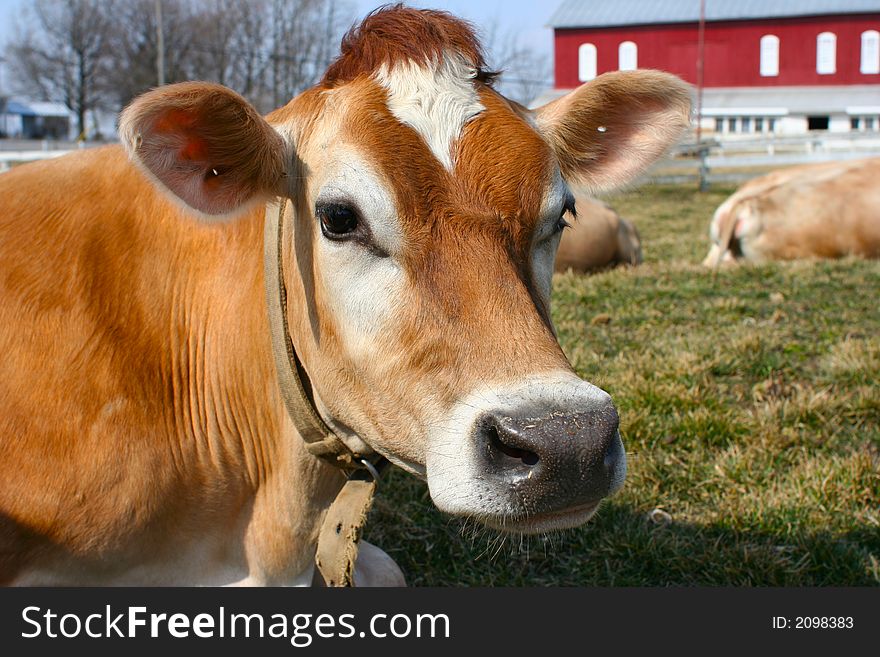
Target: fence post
{"type": "Point", "coordinates": [704, 169]}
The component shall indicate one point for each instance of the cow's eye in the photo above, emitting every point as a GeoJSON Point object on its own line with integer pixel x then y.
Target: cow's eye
{"type": "Point", "coordinates": [338, 221]}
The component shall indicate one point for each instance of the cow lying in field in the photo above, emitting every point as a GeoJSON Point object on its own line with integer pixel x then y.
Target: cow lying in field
{"type": "Point", "coordinates": [393, 229]}
{"type": "Point", "coordinates": [827, 210]}
{"type": "Point", "coordinates": [598, 238]}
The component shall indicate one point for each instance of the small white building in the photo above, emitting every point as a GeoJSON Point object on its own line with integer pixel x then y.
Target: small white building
{"type": "Point", "coordinates": [21, 119]}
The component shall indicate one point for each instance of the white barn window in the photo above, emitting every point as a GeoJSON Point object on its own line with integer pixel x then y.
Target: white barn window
{"type": "Point", "coordinates": [826, 53]}
{"type": "Point", "coordinates": [586, 62]}
{"type": "Point", "coordinates": [870, 52]}
{"type": "Point", "coordinates": [769, 55]}
{"type": "Point", "coordinates": [628, 56]}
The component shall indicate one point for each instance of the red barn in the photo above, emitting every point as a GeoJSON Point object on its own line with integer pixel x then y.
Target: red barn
{"type": "Point", "coordinates": [768, 65]}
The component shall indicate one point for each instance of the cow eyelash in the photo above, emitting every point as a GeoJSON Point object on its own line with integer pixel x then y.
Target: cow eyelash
{"type": "Point", "coordinates": [568, 208]}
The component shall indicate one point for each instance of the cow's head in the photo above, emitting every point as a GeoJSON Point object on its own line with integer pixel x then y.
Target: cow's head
{"type": "Point", "coordinates": [426, 212]}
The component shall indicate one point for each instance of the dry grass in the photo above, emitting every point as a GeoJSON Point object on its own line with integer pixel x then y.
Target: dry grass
{"type": "Point", "coordinates": [750, 411]}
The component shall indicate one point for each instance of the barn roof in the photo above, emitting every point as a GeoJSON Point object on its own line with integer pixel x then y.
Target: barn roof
{"type": "Point", "coordinates": [602, 13]}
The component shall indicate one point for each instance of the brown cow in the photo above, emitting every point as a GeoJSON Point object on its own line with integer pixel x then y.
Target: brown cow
{"type": "Point", "coordinates": [827, 210]}
{"type": "Point", "coordinates": [598, 238]}
{"type": "Point", "coordinates": [145, 438]}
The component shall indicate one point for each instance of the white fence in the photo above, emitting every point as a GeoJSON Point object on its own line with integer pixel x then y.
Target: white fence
{"type": "Point", "coordinates": [9, 158]}
{"type": "Point", "coordinates": [19, 151]}
{"type": "Point", "coordinates": [736, 159]}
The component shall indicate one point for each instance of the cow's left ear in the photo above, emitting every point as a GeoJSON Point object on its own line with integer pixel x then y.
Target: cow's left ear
{"type": "Point", "coordinates": [609, 130]}
{"type": "Point", "coordinates": [206, 144]}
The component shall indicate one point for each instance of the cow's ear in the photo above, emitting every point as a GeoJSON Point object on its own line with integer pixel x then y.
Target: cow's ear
{"type": "Point", "coordinates": [609, 130]}
{"type": "Point", "coordinates": [206, 144]}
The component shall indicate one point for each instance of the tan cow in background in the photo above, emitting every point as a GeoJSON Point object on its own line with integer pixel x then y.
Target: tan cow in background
{"type": "Point", "coordinates": [598, 238]}
{"type": "Point", "coordinates": [827, 210]}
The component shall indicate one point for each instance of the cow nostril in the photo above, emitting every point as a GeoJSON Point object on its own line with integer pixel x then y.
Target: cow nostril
{"type": "Point", "coordinates": [526, 456]}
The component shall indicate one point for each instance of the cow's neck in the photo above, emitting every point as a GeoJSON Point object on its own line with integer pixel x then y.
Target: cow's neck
{"type": "Point", "coordinates": [227, 403]}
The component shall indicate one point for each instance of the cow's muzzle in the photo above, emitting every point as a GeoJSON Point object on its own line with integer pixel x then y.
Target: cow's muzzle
{"type": "Point", "coordinates": [533, 457]}
{"type": "Point", "coordinates": [556, 460]}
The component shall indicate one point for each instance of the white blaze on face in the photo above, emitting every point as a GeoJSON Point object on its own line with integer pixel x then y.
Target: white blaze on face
{"type": "Point", "coordinates": [435, 99]}
{"type": "Point", "coordinates": [362, 283]}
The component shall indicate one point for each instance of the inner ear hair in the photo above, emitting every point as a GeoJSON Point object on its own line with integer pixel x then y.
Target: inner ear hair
{"type": "Point", "coordinates": [609, 130]}
{"type": "Point", "coordinates": [205, 144]}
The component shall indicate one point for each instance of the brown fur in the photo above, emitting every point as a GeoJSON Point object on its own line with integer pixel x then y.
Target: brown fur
{"type": "Point", "coordinates": [136, 385]}
{"type": "Point", "coordinates": [464, 233]}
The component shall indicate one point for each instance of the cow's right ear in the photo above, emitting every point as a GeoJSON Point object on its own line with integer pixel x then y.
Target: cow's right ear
{"type": "Point", "coordinates": [206, 144]}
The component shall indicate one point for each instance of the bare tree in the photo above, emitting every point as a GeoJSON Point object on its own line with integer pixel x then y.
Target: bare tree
{"type": "Point", "coordinates": [249, 46]}
{"type": "Point", "coordinates": [134, 46]}
{"type": "Point", "coordinates": [526, 72]}
{"type": "Point", "coordinates": [216, 30]}
{"type": "Point", "coordinates": [62, 54]}
{"type": "Point", "coordinates": [267, 50]}
{"type": "Point", "coordinates": [94, 54]}
{"type": "Point", "coordinates": [303, 31]}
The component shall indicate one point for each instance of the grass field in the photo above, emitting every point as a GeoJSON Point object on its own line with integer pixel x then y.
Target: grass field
{"type": "Point", "coordinates": [749, 409]}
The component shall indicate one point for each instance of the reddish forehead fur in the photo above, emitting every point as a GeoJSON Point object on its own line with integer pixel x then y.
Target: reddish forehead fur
{"type": "Point", "coordinates": [502, 173]}
{"type": "Point", "coordinates": [397, 33]}
{"type": "Point", "coordinates": [503, 162]}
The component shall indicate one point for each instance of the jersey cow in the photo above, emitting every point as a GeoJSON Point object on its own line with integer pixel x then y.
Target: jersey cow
{"type": "Point", "coordinates": [144, 438]}
{"type": "Point", "coordinates": [827, 210]}
{"type": "Point", "coordinates": [597, 239]}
